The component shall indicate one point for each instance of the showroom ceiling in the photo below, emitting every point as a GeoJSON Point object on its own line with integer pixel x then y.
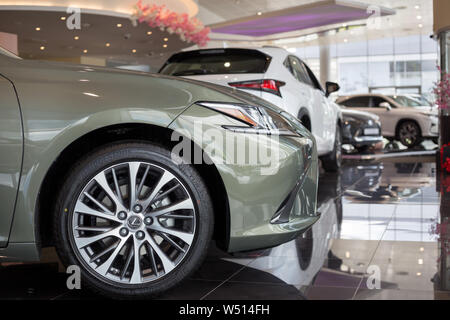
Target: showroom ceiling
{"type": "Point", "coordinates": [44, 35]}
{"type": "Point", "coordinates": [298, 18]}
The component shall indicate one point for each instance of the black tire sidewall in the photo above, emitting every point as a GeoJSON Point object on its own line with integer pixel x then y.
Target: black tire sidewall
{"type": "Point", "coordinates": [106, 157]}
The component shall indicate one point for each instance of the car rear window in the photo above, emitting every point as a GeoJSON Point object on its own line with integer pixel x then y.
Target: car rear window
{"type": "Point", "coordinates": [216, 61]}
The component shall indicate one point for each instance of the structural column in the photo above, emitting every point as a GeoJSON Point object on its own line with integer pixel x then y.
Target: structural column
{"type": "Point", "coordinates": [325, 63]}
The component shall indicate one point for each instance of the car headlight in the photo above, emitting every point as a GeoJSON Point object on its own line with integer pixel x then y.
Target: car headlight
{"type": "Point", "coordinates": [256, 119]}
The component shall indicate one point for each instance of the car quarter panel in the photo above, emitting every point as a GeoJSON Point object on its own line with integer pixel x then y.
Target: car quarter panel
{"type": "Point", "coordinates": [255, 191]}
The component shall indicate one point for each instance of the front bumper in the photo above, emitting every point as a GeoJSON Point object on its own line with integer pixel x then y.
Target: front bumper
{"type": "Point", "coordinates": [257, 192]}
{"type": "Point", "coordinates": [354, 134]}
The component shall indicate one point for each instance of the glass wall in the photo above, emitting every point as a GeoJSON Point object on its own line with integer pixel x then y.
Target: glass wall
{"type": "Point", "coordinates": [388, 65]}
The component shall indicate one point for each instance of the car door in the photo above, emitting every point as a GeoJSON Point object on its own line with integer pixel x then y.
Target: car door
{"type": "Point", "coordinates": [388, 117]}
{"type": "Point", "coordinates": [306, 89]}
{"type": "Point", "coordinates": [324, 107]}
{"type": "Point", "coordinates": [11, 148]}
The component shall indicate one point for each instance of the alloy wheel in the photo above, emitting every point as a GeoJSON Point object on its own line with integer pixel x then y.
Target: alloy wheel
{"type": "Point", "coordinates": [133, 223]}
{"type": "Point", "coordinates": [409, 133]}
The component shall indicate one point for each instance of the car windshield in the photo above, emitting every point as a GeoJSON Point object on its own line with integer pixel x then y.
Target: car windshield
{"type": "Point", "coordinates": [216, 61]}
{"type": "Point", "coordinates": [8, 53]}
{"type": "Point", "coordinates": [410, 101]}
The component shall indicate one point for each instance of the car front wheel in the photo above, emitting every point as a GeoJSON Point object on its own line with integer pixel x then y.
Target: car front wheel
{"type": "Point", "coordinates": [134, 221]}
{"type": "Point", "coordinates": [409, 134]}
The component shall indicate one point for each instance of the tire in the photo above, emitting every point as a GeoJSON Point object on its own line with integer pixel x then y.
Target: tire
{"type": "Point", "coordinates": [158, 242]}
{"type": "Point", "coordinates": [409, 134]}
{"type": "Point", "coordinates": [332, 162]}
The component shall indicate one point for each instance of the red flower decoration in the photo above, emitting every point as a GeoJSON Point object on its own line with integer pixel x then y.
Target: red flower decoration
{"type": "Point", "coordinates": [190, 30]}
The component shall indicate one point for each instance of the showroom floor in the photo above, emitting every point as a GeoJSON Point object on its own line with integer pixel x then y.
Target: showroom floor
{"type": "Point", "coordinates": [378, 216]}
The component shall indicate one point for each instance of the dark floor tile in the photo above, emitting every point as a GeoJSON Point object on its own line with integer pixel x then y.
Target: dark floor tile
{"type": "Point", "coordinates": [31, 281]}
{"type": "Point", "coordinates": [394, 294]}
{"type": "Point", "coordinates": [334, 278]}
{"type": "Point", "coordinates": [216, 269]}
{"type": "Point", "coordinates": [252, 291]}
{"type": "Point", "coordinates": [190, 290]}
{"type": "Point", "coordinates": [329, 293]}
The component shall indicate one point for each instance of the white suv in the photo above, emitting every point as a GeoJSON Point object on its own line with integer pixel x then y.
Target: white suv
{"type": "Point", "coordinates": [276, 76]}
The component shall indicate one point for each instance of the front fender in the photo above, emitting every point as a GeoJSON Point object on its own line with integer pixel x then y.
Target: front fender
{"type": "Point", "coordinates": [43, 146]}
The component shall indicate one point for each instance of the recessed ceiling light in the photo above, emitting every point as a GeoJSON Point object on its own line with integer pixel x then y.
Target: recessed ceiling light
{"type": "Point", "coordinates": [166, 39]}
{"type": "Point", "coordinates": [134, 50]}
{"type": "Point", "coordinates": [149, 32]}
{"type": "Point", "coordinates": [259, 13]}
{"type": "Point", "coordinates": [37, 29]}
{"type": "Point", "coordinates": [165, 45]}
{"type": "Point", "coordinates": [108, 44]}
{"type": "Point", "coordinates": [420, 25]}
{"type": "Point", "coordinates": [119, 25]}
{"type": "Point", "coordinates": [419, 17]}
{"type": "Point", "coordinates": [42, 48]}
{"type": "Point", "coordinates": [76, 37]}
{"type": "Point", "coordinates": [85, 51]}
{"type": "Point", "coordinates": [63, 18]}
{"type": "Point", "coordinates": [417, 7]}
{"type": "Point", "coordinates": [345, 40]}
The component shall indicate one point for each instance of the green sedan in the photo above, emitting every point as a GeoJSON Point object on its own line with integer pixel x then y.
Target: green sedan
{"type": "Point", "coordinates": [131, 175]}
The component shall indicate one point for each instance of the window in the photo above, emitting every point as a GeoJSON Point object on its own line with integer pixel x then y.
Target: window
{"type": "Point", "coordinates": [216, 61]}
{"type": "Point", "coordinates": [299, 71]}
{"type": "Point", "coordinates": [376, 101]}
{"type": "Point", "coordinates": [358, 102]}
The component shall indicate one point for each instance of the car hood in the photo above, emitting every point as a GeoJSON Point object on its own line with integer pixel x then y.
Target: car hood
{"type": "Point", "coordinates": [122, 85]}
{"type": "Point", "coordinates": [359, 114]}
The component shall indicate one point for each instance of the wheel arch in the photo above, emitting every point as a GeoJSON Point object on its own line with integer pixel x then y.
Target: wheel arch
{"type": "Point", "coordinates": [113, 134]}
{"type": "Point", "coordinates": [304, 114]}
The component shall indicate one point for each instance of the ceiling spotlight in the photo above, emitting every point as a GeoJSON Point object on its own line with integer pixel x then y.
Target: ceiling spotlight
{"type": "Point", "coordinates": [149, 33]}
{"type": "Point", "coordinates": [63, 18]}
{"type": "Point", "coordinates": [42, 48]}
{"type": "Point", "coordinates": [108, 44]}
{"type": "Point", "coordinates": [76, 37]}
{"type": "Point", "coordinates": [164, 45]}
{"type": "Point", "coordinates": [119, 25]}
{"type": "Point", "coordinates": [37, 29]}
{"type": "Point", "coordinates": [166, 39]}
{"type": "Point", "coordinates": [134, 50]}
{"type": "Point", "coordinates": [85, 51]}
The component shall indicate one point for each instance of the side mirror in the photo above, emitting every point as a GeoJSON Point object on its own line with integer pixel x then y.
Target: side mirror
{"type": "Point", "coordinates": [331, 87]}
{"type": "Point", "coordinates": [385, 105]}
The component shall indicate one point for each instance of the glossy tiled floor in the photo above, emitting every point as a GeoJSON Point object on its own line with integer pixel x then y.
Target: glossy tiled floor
{"type": "Point", "coordinates": [382, 217]}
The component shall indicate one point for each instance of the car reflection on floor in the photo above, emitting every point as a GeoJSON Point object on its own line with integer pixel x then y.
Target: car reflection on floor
{"type": "Point", "coordinates": [382, 215]}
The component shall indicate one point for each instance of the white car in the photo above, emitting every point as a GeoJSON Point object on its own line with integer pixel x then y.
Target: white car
{"type": "Point", "coordinates": [277, 76]}
{"type": "Point", "coordinates": [407, 118]}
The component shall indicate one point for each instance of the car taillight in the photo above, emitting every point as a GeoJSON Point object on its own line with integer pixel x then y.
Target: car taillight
{"type": "Point", "coordinates": [266, 85]}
